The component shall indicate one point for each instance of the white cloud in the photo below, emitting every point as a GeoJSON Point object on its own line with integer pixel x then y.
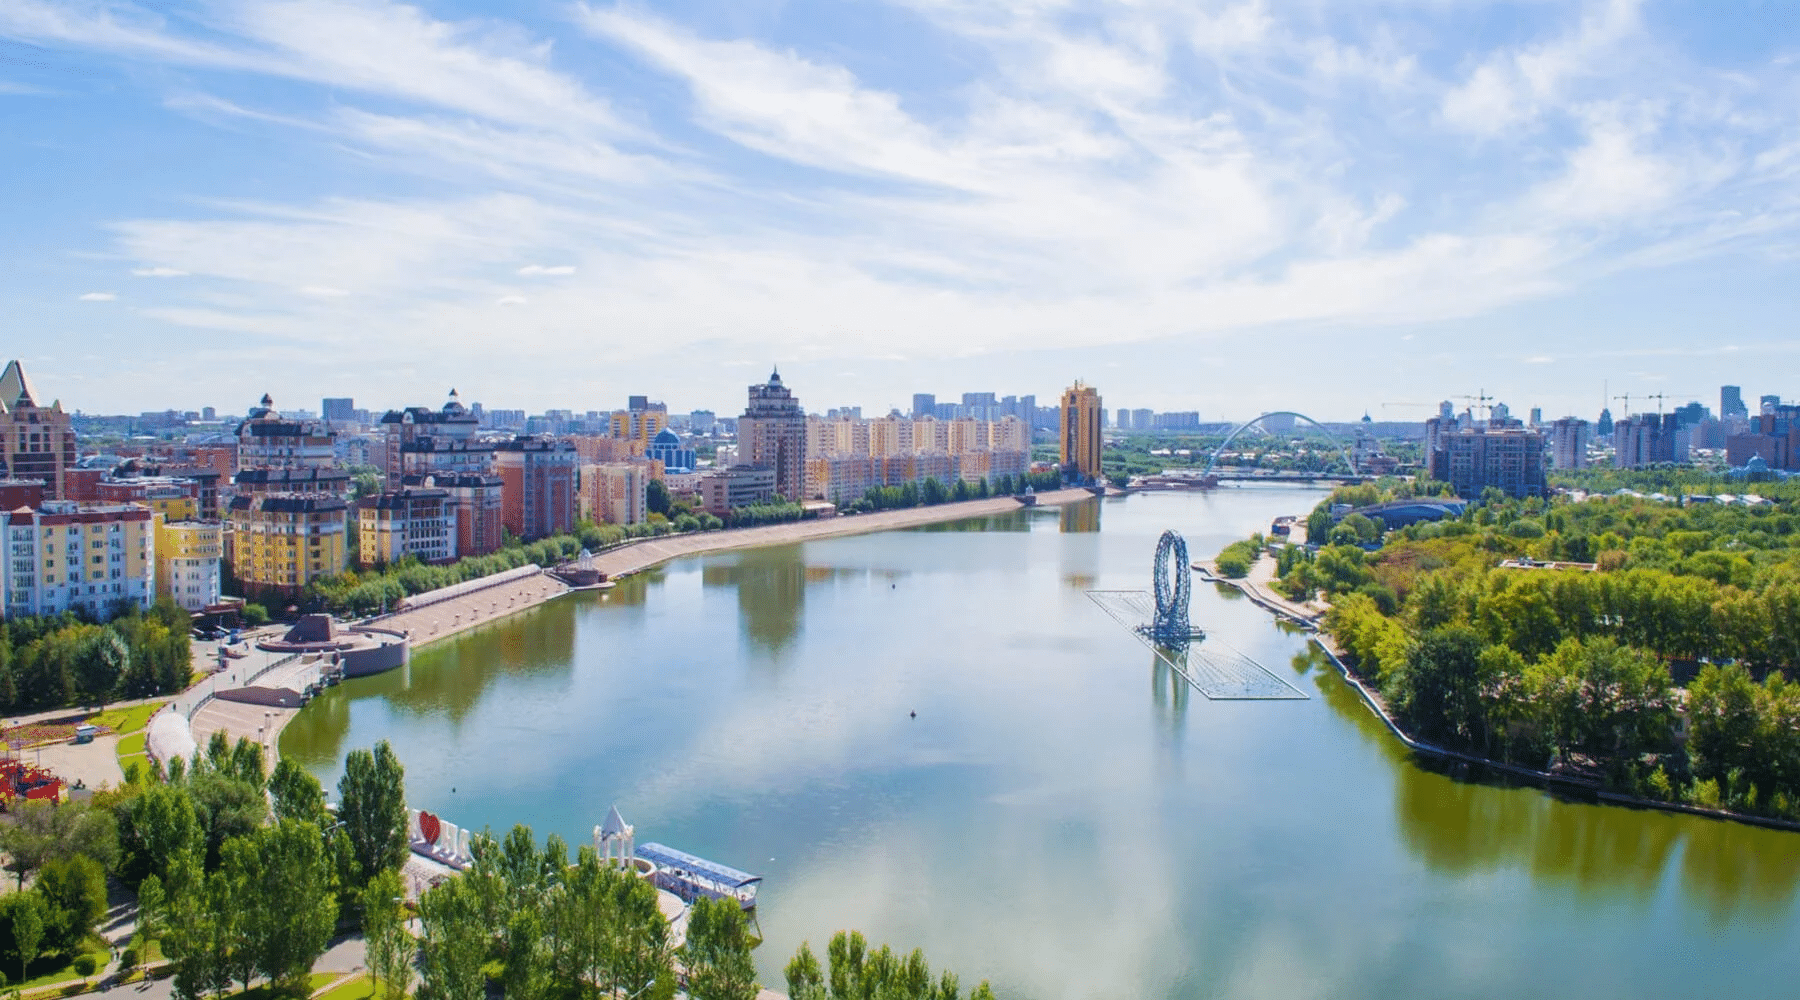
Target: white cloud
{"type": "Point", "coordinates": [1513, 86]}
{"type": "Point", "coordinates": [158, 272]}
{"type": "Point", "coordinates": [1071, 175]}
{"type": "Point", "coordinates": [97, 296]}
{"type": "Point", "coordinates": [1608, 177]}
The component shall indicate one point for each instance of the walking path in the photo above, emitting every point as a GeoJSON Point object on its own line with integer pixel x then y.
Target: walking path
{"type": "Point", "coordinates": [459, 614]}
{"type": "Point", "coordinates": [634, 558]}
{"type": "Point", "coordinates": [1258, 585]}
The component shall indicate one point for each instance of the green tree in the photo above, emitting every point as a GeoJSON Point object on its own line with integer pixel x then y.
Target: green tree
{"type": "Point", "coordinates": [157, 829]}
{"type": "Point", "coordinates": [1439, 692]}
{"type": "Point", "coordinates": [372, 806]}
{"type": "Point", "coordinates": [656, 497]}
{"type": "Point", "coordinates": [225, 807]}
{"type": "Point", "coordinates": [102, 661]}
{"type": "Point", "coordinates": [296, 793]}
{"type": "Point", "coordinates": [1723, 717]}
{"type": "Point", "coordinates": [41, 833]}
{"type": "Point", "coordinates": [28, 919]}
{"type": "Point", "coordinates": [74, 894]}
{"type": "Point", "coordinates": [454, 945]}
{"type": "Point", "coordinates": [717, 952]}
{"type": "Point", "coordinates": [384, 931]}
{"type": "Point", "coordinates": [287, 900]}
{"type": "Point", "coordinates": [805, 979]}
{"type": "Point", "coordinates": [152, 913]}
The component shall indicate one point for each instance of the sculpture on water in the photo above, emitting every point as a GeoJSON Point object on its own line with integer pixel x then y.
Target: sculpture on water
{"type": "Point", "coordinates": [1172, 586]}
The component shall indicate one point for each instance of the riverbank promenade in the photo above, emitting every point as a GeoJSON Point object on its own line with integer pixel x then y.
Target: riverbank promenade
{"type": "Point", "coordinates": [639, 556]}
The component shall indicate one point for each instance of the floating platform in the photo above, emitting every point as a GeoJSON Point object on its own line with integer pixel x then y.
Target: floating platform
{"type": "Point", "coordinates": [1212, 667]}
{"type": "Point", "coordinates": [690, 877]}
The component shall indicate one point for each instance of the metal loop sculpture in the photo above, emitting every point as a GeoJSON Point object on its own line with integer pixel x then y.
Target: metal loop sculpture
{"type": "Point", "coordinates": [1173, 585]}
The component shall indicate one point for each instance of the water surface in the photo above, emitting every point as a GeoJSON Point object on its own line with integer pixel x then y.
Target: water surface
{"type": "Point", "coordinates": [1059, 817]}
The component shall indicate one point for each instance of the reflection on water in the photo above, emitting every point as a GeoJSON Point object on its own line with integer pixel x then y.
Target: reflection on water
{"type": "Point", "coordinates": [771, 593]}
{"type": "Point", "coordinates": [1081, 517]}
{"type": "Point", "coordinates": [1039, 822]}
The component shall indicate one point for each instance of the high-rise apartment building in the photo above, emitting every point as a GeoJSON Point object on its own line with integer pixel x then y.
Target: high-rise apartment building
{"type": "Point", "coordinates": [1569, 443]}
{"type": "Point", "coordinates": [36, 441]}
{"type": "Point", "coordinates": [475, 502]}
{"type": "Point", "coordinates": [924, 404]}
{"type": "Point", "coordinates": [615, 493]}
{"type": "Point", "coordinates": [1510, 459]}
{"type": "Point", "coordinates": [268, 440]}
{"type": "Point", "coordinates": [65, 555]}
{"type": "Point", "coordinates": [1731, 403]}
{"type": "Point", "coordinates": [416, 521]}
{"type": "Point", "coordinates": [1774, 435]}
{"type": "Point", "coordinates": [280, 542]}
{"type": "Point", "coordinates": [188, 558]}
{"type": "Point", "coordinates": [537, 476]}
{"type": "Point", "coordinates": [1649, 439]}
{"type": "Point", "coordinates": [641, 421]}
{"type": "Point", "coordinates": [421, 441]}
{"type": "Point", "coordinates": [1079, 435]}
{"type": "Point", "coordinates": [772, 434]}
{"type": "Point", "coordinates": [337, 409]}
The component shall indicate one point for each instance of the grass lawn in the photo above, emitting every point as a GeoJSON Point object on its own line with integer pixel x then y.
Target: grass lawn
{"type": "Point", "coordinates": [126, 720]}
{"type": "Point", "coordinates": [360, 988]}
{"type": "Point", "coordinates": [265, 992]}
{"type": "Point", "coordinates": [56, 969]}
{"type": "Point", "coordinates": [134, 743]}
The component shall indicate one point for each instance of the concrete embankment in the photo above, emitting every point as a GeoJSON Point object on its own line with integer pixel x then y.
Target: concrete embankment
{"type": "Point", "coordinates": [1256, 587]}
{"type": "Point", "coordinates": [638, 556]}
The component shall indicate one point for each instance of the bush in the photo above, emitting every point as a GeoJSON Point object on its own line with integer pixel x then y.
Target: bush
{"type": "Point", "coordinates": [85, 965]}
{"type": "Point", "coordinates": [255, 614]}
{"type": "Point", "coordinates": [1233, 563]}
{"type": "Point", "coordinates": [128, 959]}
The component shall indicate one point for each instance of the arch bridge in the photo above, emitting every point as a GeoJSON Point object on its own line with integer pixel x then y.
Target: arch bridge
{"type": "Point", "coordinates": [1349, 459]}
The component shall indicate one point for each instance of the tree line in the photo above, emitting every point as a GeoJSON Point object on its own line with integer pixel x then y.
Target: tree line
{"type": "Point", "coordinates": [69, 659]}
{"type": "Point", "coordinates": [1578, 669]}
{"type": "Point", "coordinates": [244, 877]}
{"type": "Point", "coordinates": [932, 491]}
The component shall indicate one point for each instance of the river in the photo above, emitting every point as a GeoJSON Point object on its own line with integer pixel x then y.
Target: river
{"type": "Point", "coordinates": [1058, 817]}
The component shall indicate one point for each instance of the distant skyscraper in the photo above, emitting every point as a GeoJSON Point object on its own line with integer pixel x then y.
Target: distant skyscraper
{"type": "Point", "coordinates": [1605, 425]}
{"type": "Point", "coordinates": [1731, 402]}
{"type": "Point", "coordinates": [1769, 403]}
{"type": "Point", "coordinates": [1537, 416]}
{"type": "Point", "coordinates": [1124, 420]}
{"type": "Point", "coordinates": [772, 434]}
{"type": "Point", "coordinates": [1568, 443]}
{"type": "Point", "coordinates": [338, 410]}
{"type": "Point", "coordinates": [1079, 434]}
{"type": "Point", "coordinates": [924, 405]}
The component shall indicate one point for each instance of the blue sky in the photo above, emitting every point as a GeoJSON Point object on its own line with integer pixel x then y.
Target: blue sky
{"type": "Point", "coordinates": [1228, 207]}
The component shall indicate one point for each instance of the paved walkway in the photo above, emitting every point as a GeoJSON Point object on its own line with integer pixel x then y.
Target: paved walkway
{"type": "Point", "coordinates": [460, 614]}
{"type": "Point", "coordinates": [640, 556]}
{"type": "Point", "coordinates": [1258, 586]}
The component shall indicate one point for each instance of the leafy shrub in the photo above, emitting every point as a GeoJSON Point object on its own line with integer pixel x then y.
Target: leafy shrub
{"type": "Point", "coordinates": [85, 965]}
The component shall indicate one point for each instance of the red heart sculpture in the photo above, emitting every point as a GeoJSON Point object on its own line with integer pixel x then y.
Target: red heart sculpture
{"type": "Point", "coordinates": [429, 828]}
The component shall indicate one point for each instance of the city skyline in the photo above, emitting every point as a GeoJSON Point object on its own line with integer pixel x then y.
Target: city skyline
{"type": "Point", "coordinates": [1160, 200]}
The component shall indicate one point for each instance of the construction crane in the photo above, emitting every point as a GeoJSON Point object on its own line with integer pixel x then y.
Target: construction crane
{"type": "Point", "coordinates": [1627, 398]}
{"type": "Point", "coordinates": [1480, 400]}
